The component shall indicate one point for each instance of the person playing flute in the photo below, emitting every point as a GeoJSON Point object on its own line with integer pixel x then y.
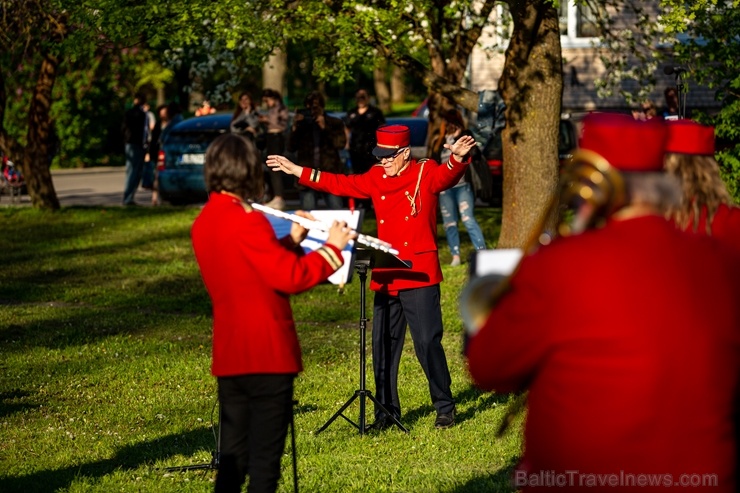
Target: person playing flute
{"type": "Point", "coordinates": [404, 193]}
{"type": "Point", "coordinates": [249, 274]}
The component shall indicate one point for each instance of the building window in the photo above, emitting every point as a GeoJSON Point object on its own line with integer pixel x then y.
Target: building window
{"type": "Point", "coordinates": [578, 24]}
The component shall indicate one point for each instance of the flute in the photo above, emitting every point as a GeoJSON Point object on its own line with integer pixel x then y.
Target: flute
{"type": "Point", "coordinates": [366, 240]}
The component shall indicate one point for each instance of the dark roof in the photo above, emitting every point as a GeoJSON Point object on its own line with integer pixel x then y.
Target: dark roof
{"type": "Point", "coordinates": [218, 122]}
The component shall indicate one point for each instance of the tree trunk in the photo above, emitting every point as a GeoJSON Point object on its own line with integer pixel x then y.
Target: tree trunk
{"type": "Point", "coordinates": [398, 88]}
{"type": "Point", "coordinates": [36, 163]}
{"type": "Point", "coordinates": [273, 72]}
{"type": "Point", "coordinates": [382, 91]}
{"type": "Point", "coordinates": [531, 86]}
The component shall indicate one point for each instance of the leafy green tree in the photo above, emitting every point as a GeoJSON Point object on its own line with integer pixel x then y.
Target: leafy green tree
{"type": "Point", "coordinates": [708, 43]}
{"type": "Point", "coordinates": [40, 38]}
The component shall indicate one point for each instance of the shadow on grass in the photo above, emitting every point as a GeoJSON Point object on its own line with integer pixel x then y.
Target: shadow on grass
{"type": "Point", "coordinates": [498, 482]}
{"type": "Point", "coordinates": [483, 400]}
{"type": "Point", "coordinates": [127, 458]}
{"type": "Point", "coordinates": [8, 408]}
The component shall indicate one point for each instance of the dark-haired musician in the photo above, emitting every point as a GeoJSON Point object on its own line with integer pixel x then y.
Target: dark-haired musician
{"type": "Point", "coordinates": [404, 193]}
{"type": "Point", "coordinates": [626, 336]}
{"type": "Point", "coordinates": [249, 274]}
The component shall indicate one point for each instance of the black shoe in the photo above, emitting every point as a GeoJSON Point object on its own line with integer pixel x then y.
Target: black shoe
{"type": "Point", "coordinates": [381, 423]}
{"type": "Point", "coordinates": [445, 420]}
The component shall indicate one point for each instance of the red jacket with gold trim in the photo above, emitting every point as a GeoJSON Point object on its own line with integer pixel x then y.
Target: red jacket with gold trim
{"type": "Point", "coordinates": [627, 339]}
{"type": "Point", "coordinates": [249, 275]}
{"type": "Point", "coordinates": [407, 223]}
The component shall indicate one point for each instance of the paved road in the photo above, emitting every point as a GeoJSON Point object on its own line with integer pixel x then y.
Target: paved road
{"type": "Point", "coordinates": [88, 186]}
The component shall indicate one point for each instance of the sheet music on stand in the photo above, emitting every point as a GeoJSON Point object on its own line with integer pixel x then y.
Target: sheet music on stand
{"type": "Point", "coordinates": [316, 238]}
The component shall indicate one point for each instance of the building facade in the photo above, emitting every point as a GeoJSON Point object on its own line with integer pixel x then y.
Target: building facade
{"type": "Point", "coordinates": [583, 67]}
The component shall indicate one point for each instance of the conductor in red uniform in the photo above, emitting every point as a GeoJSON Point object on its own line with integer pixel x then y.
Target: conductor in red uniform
{"type": "Point", "coordinates": [706, 206]}
{"type": "Point", "coordinates": [626, 336]}
{"type": "Point", "coordinates": [249, 275]}
{"type": "Point", "coordinates": [404, 193]}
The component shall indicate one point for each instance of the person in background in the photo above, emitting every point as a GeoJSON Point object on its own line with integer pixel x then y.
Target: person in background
{"type": "Point", "coordinates": [245, 120]}
{"type": "Point", "coordinates": [611, 329]}
{"type": "Point", "coordinates": [671, 103]}
{"type": "Point", "coordinates": [205, 108]}
{"type": "Point", "coordinates": [249, 274]}
{"type": "Point", "coordinates": [135, 137]}
{"type": "Point", "coordinates": [404, 194]}
{"type": "Point", "coordinates": [316, 138]}
{"type": "Point", "coordinates": [174, 116]}
{"type": "Point", "coordinates": [152, 148]}
{"type": "Point", "coordinates": [361, 122]}
{"type": "Point", "coordinates": [275, 123]}
{"type": "Point", "coordinates": [706, 206]}
{"type": "Point", "coordinates": [457, 202]}
{"type": "Point", "coordinates": [155, 147]}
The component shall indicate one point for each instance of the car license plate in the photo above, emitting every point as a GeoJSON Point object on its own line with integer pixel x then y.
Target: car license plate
{"type": "Point", "coordinates": [193, 159]}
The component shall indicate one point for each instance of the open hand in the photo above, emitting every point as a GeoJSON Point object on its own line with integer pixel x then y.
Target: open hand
{"type": "Point", "coordinates": [282, 163]}
{"type": "Point", "coordinates": [461, 147]}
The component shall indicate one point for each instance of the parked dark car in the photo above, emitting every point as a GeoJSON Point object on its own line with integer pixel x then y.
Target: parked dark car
{"type": "Point", "coordinates": [180, 164]}
{"type": "Point", "coordinates": [181, 174]}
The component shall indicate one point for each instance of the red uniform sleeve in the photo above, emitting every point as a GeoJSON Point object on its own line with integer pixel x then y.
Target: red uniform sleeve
{"type": "Point", "coordinates": [284, 268]}
{"type": "Point", "coordinates": [446, 175]}
{"type": "Point", "coordinates": [357, 186]}
{"type": "Point", "coordinates": [505, 353]}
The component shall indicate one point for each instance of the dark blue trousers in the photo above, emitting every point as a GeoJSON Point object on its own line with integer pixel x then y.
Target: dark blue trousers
{"type": "Point", "coordinates": [420, 308]}
{"type": "Point", "coordinates": [255, 413]}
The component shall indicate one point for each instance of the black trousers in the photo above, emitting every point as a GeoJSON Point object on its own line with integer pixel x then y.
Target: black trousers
{"type": "Point", "coordinates": [255, 413]}
{"type": "Point", "coordinates": [420, 307]}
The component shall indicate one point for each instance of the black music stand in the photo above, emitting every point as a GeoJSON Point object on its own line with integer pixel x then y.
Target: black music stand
{"type": "Point", "coordinates": [367, 259]}
{"type": "Point", "coordinates": [215, 456]}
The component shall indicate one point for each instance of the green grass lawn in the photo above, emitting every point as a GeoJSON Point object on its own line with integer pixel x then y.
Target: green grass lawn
{"type": "Point", "coordinates": [105, 369]}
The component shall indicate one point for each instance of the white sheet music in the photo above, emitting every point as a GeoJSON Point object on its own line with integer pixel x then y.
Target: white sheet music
{"type": "Point", "coordinates": [502, 261]}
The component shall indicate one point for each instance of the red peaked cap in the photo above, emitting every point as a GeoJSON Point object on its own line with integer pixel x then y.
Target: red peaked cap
{"type": "Point", "coordinates": [628, 144]}
{"type": "Point", "coordinates": [688, 137]}
{"type": "Point", "coordinates": [391, 138]}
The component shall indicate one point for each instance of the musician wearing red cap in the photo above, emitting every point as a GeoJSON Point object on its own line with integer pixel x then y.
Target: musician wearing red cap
{"type": "Point", "coordinates": [706, 206]}
{"type": "Point", "coordinates": [404, 193]}
{"type": "Point", "coordinates": [625, 333]}
{"type": "Point", "coordinates": [249, 274]}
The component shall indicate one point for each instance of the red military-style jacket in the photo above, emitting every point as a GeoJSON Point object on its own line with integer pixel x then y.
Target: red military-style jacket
{"type": "Point", "coordinates": [249, 275]}
{"type": "Point", "coordinates": [628, 339]}
{"type": "Point", "coordinates": [406, 219]}
{"type": "Point", "coordinates": [725, 225]}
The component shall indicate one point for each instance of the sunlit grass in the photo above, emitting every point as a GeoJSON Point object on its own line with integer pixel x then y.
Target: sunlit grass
{"type": "Point", "coordinates": [105, 369]}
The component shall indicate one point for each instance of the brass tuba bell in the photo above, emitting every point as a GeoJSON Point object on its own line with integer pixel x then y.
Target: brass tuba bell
{"type": "Point", "coordinates": [590, 190]}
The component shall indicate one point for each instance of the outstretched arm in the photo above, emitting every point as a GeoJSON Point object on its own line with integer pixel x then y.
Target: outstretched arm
{"type": "Point", "coordinates": [281, 163]}
{"type": "Point", "coordinates": [461, 147]}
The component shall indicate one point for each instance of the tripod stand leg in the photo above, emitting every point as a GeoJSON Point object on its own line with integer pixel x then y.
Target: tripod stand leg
{"type": "Point", "coordinates": [339, 413]}
{"type": "Point", "coordinates": [387, 413]}
{"type": "Point", "coordinates": [292, 448]}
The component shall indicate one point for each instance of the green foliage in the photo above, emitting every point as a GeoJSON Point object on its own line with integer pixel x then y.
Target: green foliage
{"type": "Point", "coordinates": [105, 350]}
{"type": "Point", "coordinates": [709, 46]}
